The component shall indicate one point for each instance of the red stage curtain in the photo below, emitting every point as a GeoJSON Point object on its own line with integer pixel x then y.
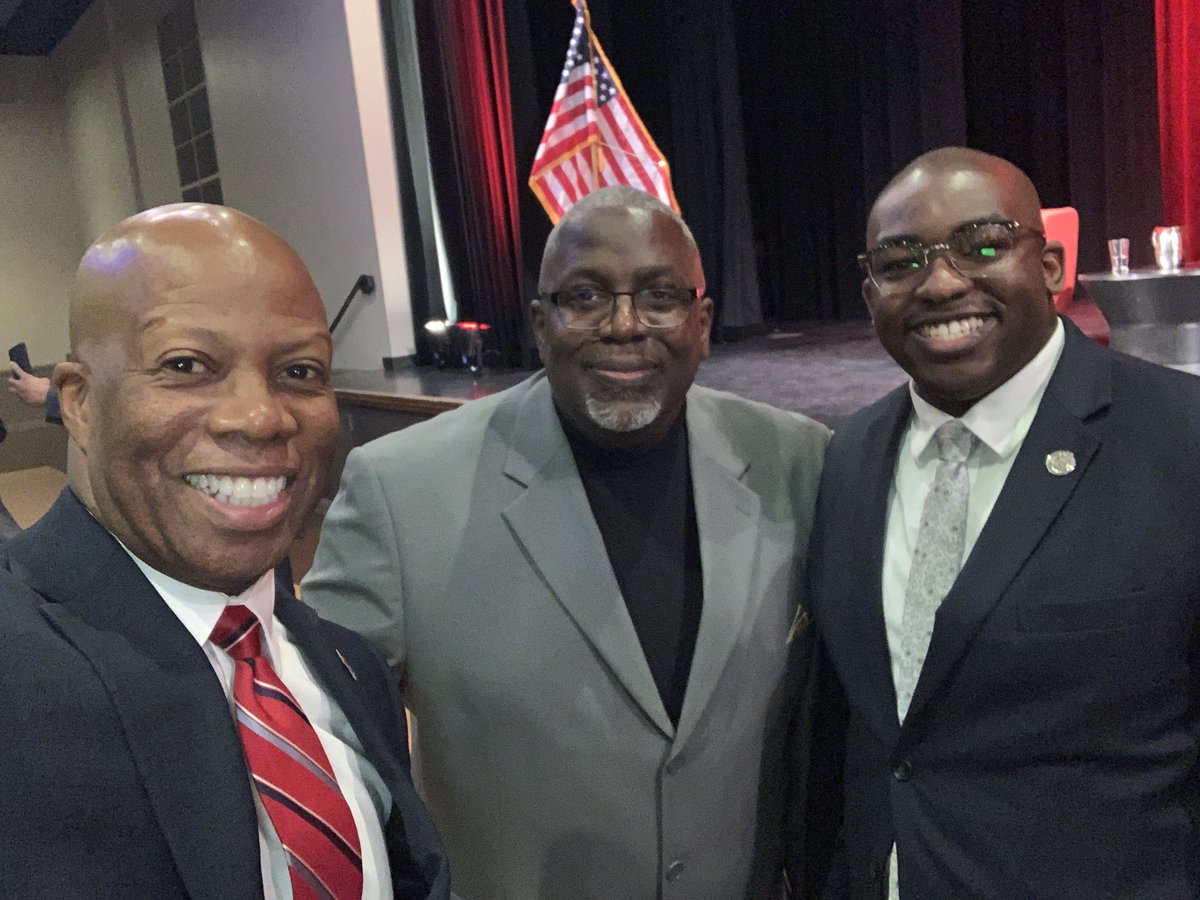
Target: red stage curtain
{"type": "Point", "coordinates": [464, 62]}
{"type": "Point", "coordinates": [1178, 24]}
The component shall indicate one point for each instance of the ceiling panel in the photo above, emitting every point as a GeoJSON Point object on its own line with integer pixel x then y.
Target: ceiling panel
{"type": "Point", "coordinates": [34, 27]}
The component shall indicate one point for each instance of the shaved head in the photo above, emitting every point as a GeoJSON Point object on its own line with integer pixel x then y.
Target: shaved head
{"type": "Point", "coordinates": [617, 197]}
{"type": "Point", "coordinates": [199, 398]}
{"type": "Point", "coordinates": [950, 168]}
{"type": "Point", "coordinates": [153, 252]}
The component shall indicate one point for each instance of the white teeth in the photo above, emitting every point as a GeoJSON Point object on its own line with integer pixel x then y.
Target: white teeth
{"type": "Point", "coordinates": [239, 491]}
{"type": "Point", "coordinates": [952, 330]}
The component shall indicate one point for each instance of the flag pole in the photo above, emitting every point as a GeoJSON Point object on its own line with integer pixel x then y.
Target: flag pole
{"type": "Point", "coordinates": [594, 149]}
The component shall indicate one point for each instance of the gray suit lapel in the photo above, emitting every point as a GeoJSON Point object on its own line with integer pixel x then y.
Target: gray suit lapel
{"type": "Point", "coordinates": [175, 715]}
{"type": "Point", "coordinates": [727, 515]}
{"type": "Point", "coordinates": [1030, 501]}
{"type": "Point", "coordinates": [552, 520]}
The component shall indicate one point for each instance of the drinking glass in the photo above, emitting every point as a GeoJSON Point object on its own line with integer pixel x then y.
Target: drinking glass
{"type": "Point", "coordinates": [1118, 255]}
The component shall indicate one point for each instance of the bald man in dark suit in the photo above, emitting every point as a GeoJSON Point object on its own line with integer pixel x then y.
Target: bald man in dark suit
{"type": "Point", "coordinates": [176, 723]}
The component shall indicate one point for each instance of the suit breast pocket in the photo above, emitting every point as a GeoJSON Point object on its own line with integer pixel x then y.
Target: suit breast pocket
{"type": "Point", "coordinates": [1087, 613]}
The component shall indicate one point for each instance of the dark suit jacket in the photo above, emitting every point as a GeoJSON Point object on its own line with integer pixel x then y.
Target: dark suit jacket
{"type": "Point", "coordinates": [1051, 746]}
{"type": "Point", "coordinates": [121, 772]}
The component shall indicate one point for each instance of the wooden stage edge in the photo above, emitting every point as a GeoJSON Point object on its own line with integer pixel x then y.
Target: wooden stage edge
{"type": "Point", "coordinates": [413, 404]}
{"type": "Point", "coordinates": [421, 392]}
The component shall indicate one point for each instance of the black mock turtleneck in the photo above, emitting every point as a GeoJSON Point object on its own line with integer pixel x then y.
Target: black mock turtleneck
{"type": "Point", "coordinates": [642, 501]}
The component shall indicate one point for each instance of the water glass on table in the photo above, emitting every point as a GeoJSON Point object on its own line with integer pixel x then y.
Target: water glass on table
{"type": "Point", "coordinates": [1168, 247]}
{"type": "Point", "coordinates": [1118, 255]}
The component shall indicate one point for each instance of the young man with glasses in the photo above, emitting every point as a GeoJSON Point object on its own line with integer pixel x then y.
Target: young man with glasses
{"type": "Point", "coordinates": [1005, 574]}
{"type": "Point", "coordinates": [587, 585]}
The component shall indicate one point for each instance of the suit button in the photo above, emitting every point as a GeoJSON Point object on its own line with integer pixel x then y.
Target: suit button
{"type": "Point", "coordinates": [674, 765]}
{"type": "Point", "coordinates": [903, 771]}
{"type": "Point", "coordinates": [674, 870]}
{"type": "Point", "coordinates": [874, 871]}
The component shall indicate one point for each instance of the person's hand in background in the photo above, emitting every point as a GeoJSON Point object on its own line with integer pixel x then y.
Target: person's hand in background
{"type": "Point", "coordinates": [30, 388]}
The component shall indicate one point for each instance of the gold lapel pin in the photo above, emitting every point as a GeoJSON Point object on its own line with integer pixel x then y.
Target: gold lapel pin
{"type": "Point", "coordinates": [1060, 462]}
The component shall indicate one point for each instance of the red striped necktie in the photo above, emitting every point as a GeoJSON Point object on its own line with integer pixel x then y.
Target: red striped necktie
{"type": "Point", "coordinates": [290, 770]}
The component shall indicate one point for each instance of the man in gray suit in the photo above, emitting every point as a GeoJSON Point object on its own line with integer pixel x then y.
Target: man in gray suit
{"type": "Point", "coordinates": [588, 586]}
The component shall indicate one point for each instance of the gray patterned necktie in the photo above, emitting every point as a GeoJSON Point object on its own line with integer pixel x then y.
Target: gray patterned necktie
{"type": "Point", "coordinates": [937, 555]}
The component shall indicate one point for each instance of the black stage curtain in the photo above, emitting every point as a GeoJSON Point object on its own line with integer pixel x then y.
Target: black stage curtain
{"type": "Point", "coordinates": [836, 96]}
{"type": "Point", "coordinates": [1068, 91]}
{"type": "Point", "coordinates": [840, 95]}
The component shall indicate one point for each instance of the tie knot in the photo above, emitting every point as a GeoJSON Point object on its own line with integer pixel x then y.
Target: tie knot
{"type": "Point", "coordinates": [954, 441]}
{"type": "Point", "coordinates": [237, 633]}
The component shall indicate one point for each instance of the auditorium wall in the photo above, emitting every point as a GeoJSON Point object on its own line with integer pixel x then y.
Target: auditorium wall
{"type": "Point", "coordinates": [85, 64]}
{"type": "Point", "coordinates": [40, 239]}
{"type": "Point", "coordinates": [291, 150]}
{"type": "Point", "coordinates": [299, 145]}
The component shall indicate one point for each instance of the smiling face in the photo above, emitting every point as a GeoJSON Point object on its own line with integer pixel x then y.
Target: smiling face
{"type": "Point", "coordinates": [962, 337]}
{"type": "Point", "coordinates": [623, 384]}
{"type": "Point", "coordinates": [201, 401]}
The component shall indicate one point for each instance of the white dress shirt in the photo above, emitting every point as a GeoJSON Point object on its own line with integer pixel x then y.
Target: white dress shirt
{"type": "Point", "coordinates": [1000, 421]}
{"type": "Point", "coordinates": [368, 798]}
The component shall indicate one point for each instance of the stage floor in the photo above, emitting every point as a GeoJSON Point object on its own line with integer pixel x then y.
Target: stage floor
{"type": "Point", "coordinates": [826, 370]}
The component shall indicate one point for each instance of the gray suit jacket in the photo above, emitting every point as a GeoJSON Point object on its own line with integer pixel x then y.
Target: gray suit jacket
{"type": "Point", "coordinates": [466, 550]}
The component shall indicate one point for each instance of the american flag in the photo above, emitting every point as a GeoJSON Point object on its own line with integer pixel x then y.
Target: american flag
{"type": "Point", "coordinates": [594, 137]}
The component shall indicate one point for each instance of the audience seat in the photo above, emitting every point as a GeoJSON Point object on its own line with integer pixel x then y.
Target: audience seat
{"type": "Point", "coordinates": [1062, 224]}
{"type": "Point", "coordinates": [28, 493]}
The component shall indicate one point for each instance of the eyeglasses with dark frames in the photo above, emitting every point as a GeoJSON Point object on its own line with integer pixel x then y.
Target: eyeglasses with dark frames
{"type": "Point", "coordinates": [972, 247]}
{"type": "Point", "coordinates": [588, 309]}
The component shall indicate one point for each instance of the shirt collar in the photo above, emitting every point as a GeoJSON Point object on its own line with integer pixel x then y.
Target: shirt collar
{"type": "Point", "coordinates": [199, 609]}
{"type": "Point", "coordinates": [999, 420]}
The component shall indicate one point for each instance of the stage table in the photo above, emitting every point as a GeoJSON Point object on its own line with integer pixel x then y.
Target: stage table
{"type": "Point", "coordinates": [1151, 314]}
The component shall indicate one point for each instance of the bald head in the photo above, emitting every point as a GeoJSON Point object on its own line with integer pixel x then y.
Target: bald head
{"type": "Point", "coordinates": [199, 399]}
{"type": "Point", "coordinates": [634, 203]}
{"type": "Point", "coordinates": [947, 171]}
{"type": "Point", "coordinates": [152, 254]}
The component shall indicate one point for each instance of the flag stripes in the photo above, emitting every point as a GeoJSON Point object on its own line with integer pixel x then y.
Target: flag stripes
{"type": "Point", "coordinates": [594, 137]}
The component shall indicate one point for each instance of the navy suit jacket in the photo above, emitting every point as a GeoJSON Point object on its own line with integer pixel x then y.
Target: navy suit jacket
{"type": "Point", "coordinates": [1050, 750]}
{"type": "Point", "coordinates": [121, 772]}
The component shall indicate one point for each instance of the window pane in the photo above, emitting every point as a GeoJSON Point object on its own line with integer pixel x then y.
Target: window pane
{"type": "Point", "coordinates": [185, 157]}
{"type": "Point", "coordinates": [172, 31]}
{"type": "Point", "coordinates": [211, 191]}
{"type": "Point", "coordinates": [186, 12]}
{"type": "Point", "coordinates": [172, 78]}
{"type": "Point", "coordinates": [181, 133]}
{"type": "Point", "coordinates": [206, 156]}
{"type": "Point", "coordinates": [198, 105]}
{"type": "Point", "coordinates": [193, 67]}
